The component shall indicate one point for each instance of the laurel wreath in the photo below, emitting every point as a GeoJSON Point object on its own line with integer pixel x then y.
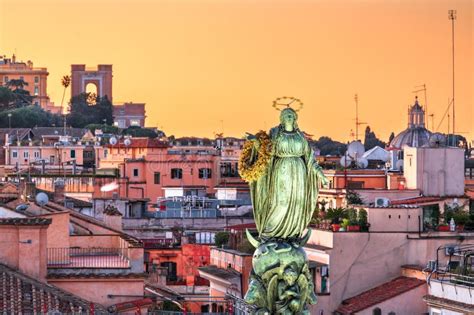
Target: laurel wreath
{"type": "Point", "coordinates": [251, 172]}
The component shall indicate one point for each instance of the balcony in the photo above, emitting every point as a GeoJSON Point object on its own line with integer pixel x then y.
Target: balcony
{"type": "Point", "coordinates": [88, 258]}
{"type": "Point", "coordinates": [451, 275]}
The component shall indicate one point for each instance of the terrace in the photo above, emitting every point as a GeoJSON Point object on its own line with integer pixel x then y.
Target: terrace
{"type": "Point", "coordinates": [451, 275]}
{"type": "Point", "coordinates": [95, 252]}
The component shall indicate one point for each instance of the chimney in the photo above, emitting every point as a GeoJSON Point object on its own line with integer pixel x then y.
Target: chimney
{"type": "Point", "coordinates": [113, 217]}
{"type": "Point", "coordinates": [58, 195]}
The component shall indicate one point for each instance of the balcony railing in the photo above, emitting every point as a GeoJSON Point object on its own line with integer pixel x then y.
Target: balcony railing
{"type": "Point", "coordinates": [454, 278]}
{"type": "Point", "coordinates": [88, 258]}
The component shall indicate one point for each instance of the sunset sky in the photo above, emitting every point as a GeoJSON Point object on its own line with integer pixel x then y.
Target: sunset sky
{"type": "Point", "coordinates": [206, 66]}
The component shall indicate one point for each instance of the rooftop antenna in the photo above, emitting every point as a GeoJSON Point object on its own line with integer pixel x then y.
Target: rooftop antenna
{"type": "Point", "coordinates": [358, 123]}
{"type": "Point", "coordinates": [450, 102]}
{"type": "Point", "coordinates": [452, 17]}
{"type": "Point", "coordinates": [432, 120]}
{"type": "Point", "coordinates": [422, 88]}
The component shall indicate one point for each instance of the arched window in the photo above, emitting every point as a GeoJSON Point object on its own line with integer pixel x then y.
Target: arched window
{"type": "Point", "coordinates": [377, 311]}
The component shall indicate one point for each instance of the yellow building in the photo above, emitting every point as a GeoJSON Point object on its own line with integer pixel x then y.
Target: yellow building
{"type": "Point", "coordinates": [36, 78]}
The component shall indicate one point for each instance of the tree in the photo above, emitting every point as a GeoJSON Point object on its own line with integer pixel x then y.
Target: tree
{"type": "Point", "coordinates": [140, 132]}
{"type": "Point", "coordinates": [65, 82]}
{"type": "Point", "coordinates": [392, 135]}
{"type": "Point", "coordinates": [330, 147]}
{"type": "Point", "coordinates": [28, 117]}
{"type": "Point", "coordinates": [6, 98]}
{"type": "Point", "coordinates": [371, 140]}
{"type": "Point", "coordinates": [105, 128]}
{"type": "Point", "coordinates": [82, 113]}
{"type": "Point", "coordinates": [14, 94]}
{"type": "Point", "coordinates": [221, 239]}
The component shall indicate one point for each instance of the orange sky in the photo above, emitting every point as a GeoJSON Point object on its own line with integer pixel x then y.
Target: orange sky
{"type": "Point", "coordinates": [201, 66]}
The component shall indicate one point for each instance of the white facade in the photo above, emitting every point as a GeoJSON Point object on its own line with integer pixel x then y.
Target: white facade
{"type": "Point", "coordinates": [435, 171]}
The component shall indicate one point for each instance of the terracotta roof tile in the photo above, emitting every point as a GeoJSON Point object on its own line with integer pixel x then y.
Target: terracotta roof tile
{"type": "Point", "coordinates": [25, 221]}
{"type": "Point", "coordinates": [26, 295]}
{"type": "Point", "coordinates": [378, 295]}
{"type": "Point", "coordinates": [416, 200]}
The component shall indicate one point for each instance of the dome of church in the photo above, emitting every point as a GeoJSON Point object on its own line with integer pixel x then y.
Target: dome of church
{"type": "Point", "coordinates": [416, 135]}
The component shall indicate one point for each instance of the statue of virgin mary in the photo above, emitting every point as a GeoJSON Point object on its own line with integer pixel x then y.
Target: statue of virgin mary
{"type": "Point", "coordinates": [284, 197]}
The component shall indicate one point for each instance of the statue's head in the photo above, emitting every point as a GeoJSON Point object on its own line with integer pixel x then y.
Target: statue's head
{"type": "Point", "coordinates": [289, 115]}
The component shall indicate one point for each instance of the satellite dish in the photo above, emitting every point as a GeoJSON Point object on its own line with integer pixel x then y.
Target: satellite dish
{"type": "Point", "coordinates": [362, 162]}
{"type": "Point", "coordinates": [113, 141]}
{"type": "Point", "coordinates": [21, 207]}
{"type": "Point", "coordinates": [355, 149]}
{"type": "Point", "coordinates": [41, 199]}
{"type": "Point", "coordinates": [345, 161]}
{"type": "Point", "coordinates": [127, 142]}
{"type": "Point", "coordinates": [437, 140]}
{"type": "Point", "coordinates": [399, 165]}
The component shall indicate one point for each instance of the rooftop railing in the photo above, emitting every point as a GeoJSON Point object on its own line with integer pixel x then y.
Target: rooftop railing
{"type": "Point", "coordinates": [88, 258]}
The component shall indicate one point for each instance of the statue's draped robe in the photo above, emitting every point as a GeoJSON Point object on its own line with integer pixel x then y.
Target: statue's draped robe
{"type": "Point", "coordinates": [285, 197]}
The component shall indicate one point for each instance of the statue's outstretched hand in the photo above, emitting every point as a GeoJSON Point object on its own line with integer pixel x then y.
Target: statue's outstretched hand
{"type": "Point", "coordinates": [323, 179]}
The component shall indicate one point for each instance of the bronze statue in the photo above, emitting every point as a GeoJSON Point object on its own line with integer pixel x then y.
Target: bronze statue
{"type": "Point", "coordinates": [284, 178]}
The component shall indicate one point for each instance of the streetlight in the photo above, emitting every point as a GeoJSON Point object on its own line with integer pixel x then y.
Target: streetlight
{"type": "Point", "coordinates": [9, 120]}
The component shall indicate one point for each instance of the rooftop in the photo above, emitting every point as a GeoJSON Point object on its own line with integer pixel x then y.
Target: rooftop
{"type": "Point", "coordinates": [416, 200]}
{"type": "Point", "coordinates": [26, 293]}
{"type": "Point", "coordinates": [25, 221]}
{"type": "Point", "coordinates": [226, 274]}
{"type": "Point", "coordinates": [378, 295]}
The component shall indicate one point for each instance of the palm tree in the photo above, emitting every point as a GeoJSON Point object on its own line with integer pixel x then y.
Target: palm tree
{"type": "Point", "coordinates": [65, 81]}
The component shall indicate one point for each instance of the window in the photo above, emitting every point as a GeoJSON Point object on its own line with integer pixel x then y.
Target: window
{"type": "Point", "coordinates": [22, 78]}
{"type": "Point", "coordinates": [37, 79]}
{"type": "Point", "coordinates": [73, 154]}
{"type": "Point", "coordinates": [135, 172]}
{"type": "Point", "coordinates": [176, 173]}
{"type": "Point", "coordinates": [134, 122]}
{"type": "Point", "coordinates": [36, 90]}
{"type": "Point", "coordinates": [5, 79]}
{"type": "Point", "coordinates": [37, 154]}
{"type": "Point", "coordinates": [51, 159]}
{"type": "Point", "coordinates": [205, 173]}
{"type": "Point", "coordinates": [105, 153]}
{"type": "Point", "coordinates": [26, 154]}
{"type": "Point", "coordinates": [377, 311]}
{"type": "Point", "coordinates": [157, 178]}
{"type": "Point", "coordinates": [14, 154]}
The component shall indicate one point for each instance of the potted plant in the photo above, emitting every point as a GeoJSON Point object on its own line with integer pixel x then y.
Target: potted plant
{"type": "Point", "coordinates": [443, 227]}
{"type": "Point", "coordinates": [363, 221]}
{"type": "Point", "coordinates": [353, 221]}
{"type": "Point", "coordinates": [335, 216]}
{"type": "Point", "coordinates": [460, 218]}
{"type": "Point", "coordinates": [344, 225]}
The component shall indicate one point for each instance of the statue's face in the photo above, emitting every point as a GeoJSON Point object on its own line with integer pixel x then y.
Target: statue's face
{"type": "Point", "coordinates": [288, 117]}
{"type": "Point", "coordinates": [290, 277]}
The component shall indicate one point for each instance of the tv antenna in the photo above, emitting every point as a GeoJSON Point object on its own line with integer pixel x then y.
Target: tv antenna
{"type": "Point", "coordinates": [358, 123]}
{"type": "Point", "coordinates": [432, 120]}
{"type": "Point", "coordinates": [452, 17]}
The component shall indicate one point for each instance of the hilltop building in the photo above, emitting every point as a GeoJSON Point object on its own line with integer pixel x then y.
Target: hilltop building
{"type": "Point", "coordinates": [35, 77]}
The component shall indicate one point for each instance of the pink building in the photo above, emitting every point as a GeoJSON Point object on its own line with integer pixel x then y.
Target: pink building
{"type": "Point", "coordinates": [129, 115]}
{"type": "Point", "coordinates": [73, 253]}
{"type": "Point", "coordinates": [150, 168]}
